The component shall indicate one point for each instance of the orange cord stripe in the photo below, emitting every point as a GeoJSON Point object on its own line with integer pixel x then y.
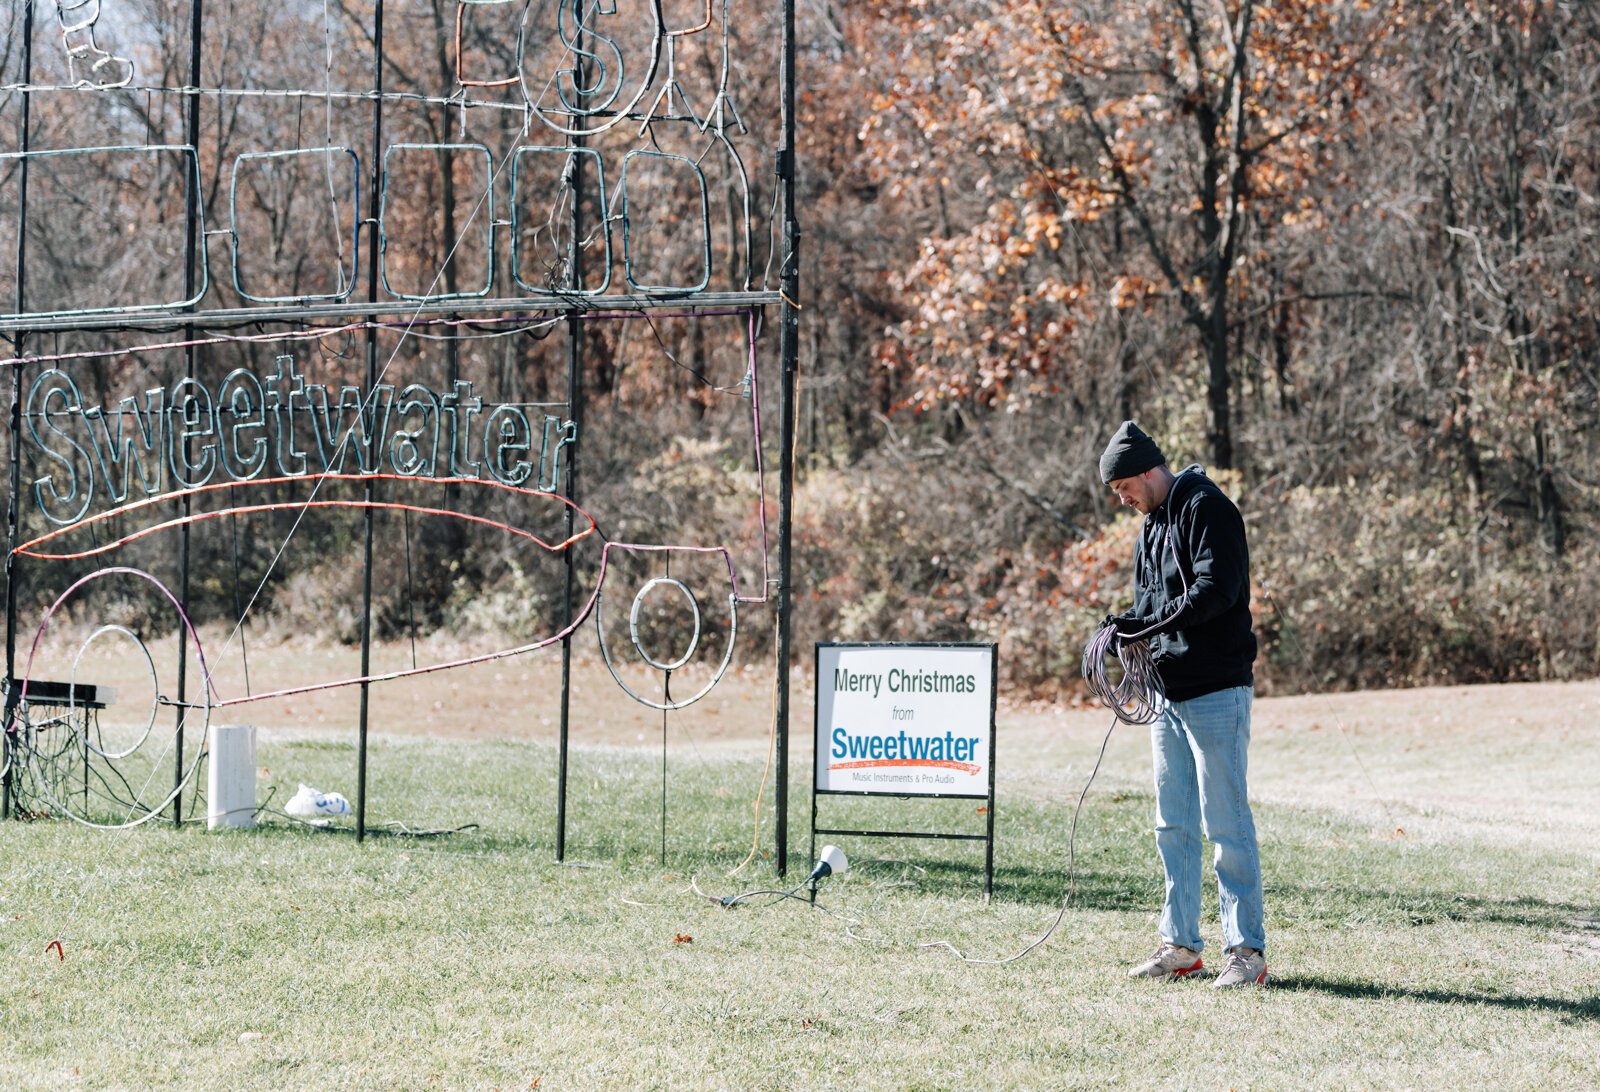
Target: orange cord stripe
{"type": "Point", "coordinates": [941, 763]}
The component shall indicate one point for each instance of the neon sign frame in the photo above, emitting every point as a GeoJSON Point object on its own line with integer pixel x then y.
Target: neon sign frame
{"type": "Point", "coordinates": [184, 435]}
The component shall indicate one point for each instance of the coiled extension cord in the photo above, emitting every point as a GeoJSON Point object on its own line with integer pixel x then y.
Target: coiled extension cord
{"type": "Point", "coordinates": [1136, 698]}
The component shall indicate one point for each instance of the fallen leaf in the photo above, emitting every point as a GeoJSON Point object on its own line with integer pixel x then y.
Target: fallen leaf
{"type": "Point", "coordinates": [683, 938]}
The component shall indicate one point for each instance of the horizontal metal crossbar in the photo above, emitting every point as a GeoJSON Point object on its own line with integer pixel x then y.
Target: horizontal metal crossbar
{"type": "Point", "coordinates": [553, 304]}
{"type": "Point", "coordinates": [906, 834]}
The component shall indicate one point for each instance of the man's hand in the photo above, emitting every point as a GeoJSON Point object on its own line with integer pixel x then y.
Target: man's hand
{"type": "Point", "coordinates": [1128, 624]}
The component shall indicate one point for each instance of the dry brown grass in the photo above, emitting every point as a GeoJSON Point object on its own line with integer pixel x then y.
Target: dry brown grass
{"type": "Point", "coordinates": [1507, 760]}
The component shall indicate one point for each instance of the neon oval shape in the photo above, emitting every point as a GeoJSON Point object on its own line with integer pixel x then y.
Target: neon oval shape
{"type": "Point", "coordinates": [585, 526]}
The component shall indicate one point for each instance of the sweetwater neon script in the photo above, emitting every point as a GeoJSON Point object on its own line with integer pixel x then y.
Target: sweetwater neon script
{"type": "Point", "coordinates": [904, 719]}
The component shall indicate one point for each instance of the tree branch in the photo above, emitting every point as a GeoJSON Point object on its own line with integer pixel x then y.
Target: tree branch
{"type": "Point", "coordinates": [1126, 190]}
{"type": "Point", "coordinates": [1238, 162]}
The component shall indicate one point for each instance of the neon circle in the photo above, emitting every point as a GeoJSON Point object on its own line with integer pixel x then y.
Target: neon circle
{"type": "Point", "coordinates": [202, 707]}
{"type": "Point", "coordinates": [155, 693]}
{"type": "Point", "coordinates": [633, 623]}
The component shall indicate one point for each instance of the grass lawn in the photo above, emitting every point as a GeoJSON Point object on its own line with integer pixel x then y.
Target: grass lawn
{"type": "Point", "coordinates": [1433, 913]}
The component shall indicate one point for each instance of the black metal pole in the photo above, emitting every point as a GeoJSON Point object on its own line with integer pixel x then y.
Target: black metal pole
{"type": "Point", "coordinates": [192, 242]}
{"type": "Point", "coordinates": [816, 672]}
{"type": "Point", "coordinates": [575, 415]}
{"type": "Point", "coordinates": [575, 409]}
{"type": "Point", "coordinates": [14, 500]}
{"type": "Point", "coordinates": [13, 525]}
{"type": "Point", "coordinates": [994, 692]}
{"type": "Point", "coordinates": [569, 581]}
{"type": "Point", "coordinates": [375, 172]}
{"type": "Point", "coordinates": [366, 627]}
{"type": "Point", "coordinates": [665, 691]}
{"type": "Point", "coordinates": [789, 285]}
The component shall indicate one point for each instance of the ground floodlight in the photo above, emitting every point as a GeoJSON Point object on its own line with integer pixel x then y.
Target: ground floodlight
{"type": "Point", "coordinates": [831, 863]}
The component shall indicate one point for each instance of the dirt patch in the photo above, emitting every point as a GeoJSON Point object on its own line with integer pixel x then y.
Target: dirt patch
{"type": "Point", "coordinates": [516, 697]}
{"type": "Point", "coordinates": [1515, 760]}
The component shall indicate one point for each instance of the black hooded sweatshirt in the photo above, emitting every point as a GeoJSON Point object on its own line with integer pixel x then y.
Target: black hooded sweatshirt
{"type": "Point", "coordinates": [1192, 589]}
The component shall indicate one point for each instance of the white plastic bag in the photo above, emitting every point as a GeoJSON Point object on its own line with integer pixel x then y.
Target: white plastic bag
{"type": "Point", "coordinates": [308, 803]}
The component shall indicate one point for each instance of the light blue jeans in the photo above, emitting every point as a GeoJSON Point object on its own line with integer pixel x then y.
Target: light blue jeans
{"type": "Point", "coordinates": [1201, 750]}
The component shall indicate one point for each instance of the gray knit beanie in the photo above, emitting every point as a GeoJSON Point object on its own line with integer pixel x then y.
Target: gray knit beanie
{"type": "Point", "coordinates": [1129, 453]}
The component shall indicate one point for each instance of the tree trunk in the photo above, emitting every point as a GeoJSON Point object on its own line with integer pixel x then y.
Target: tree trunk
{"type": "Point", "coordinates": [1219, 434]}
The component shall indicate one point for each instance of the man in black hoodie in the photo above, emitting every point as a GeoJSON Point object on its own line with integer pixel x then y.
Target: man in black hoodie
{"type": "Point", "coordinates": [1192, 603]}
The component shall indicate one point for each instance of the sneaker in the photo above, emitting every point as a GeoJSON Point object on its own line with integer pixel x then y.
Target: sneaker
{"type": "Point", "coordinates": [1245, 967]}
{"type": "Point", "coordinates": [1170, 961]}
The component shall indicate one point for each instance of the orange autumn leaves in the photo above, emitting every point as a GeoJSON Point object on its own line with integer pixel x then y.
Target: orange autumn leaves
{"type": "Point", "coordinates": [1087, 164]}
